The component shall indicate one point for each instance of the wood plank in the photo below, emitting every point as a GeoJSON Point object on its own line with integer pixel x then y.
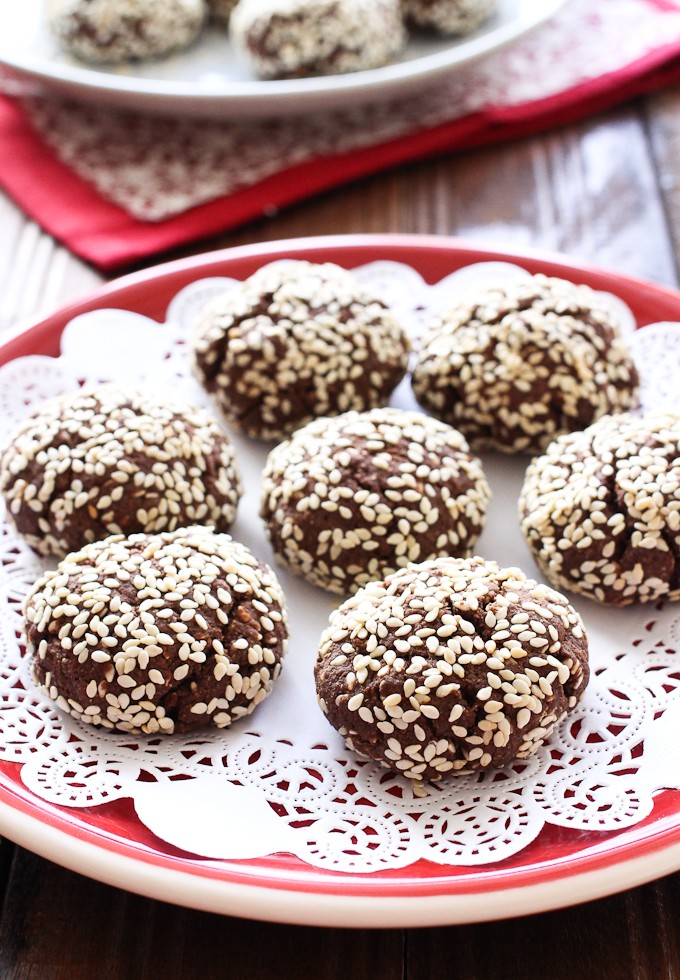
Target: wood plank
{"type": "Point", "coordinates": [36, 274]}
{"type": "Point", "coordinates": [57, 925]}
{"type": "Point", "coordinates": [632, 936]}
{"type": "Point", "coordinates": [589, 191]}
{"type": "Point", "coordinates": [662, 113]}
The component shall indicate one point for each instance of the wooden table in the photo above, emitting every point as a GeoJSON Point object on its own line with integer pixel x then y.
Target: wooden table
{"type": "Point", "coordinates": [606, 191]}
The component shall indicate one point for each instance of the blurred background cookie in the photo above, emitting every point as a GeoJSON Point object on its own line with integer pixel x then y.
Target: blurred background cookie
{"type": "Point", "coordinates": [111, 31]}
{"type": "Point", "coordinates": [297, 38]}
{"type": "Point", "coordinates": [449, 17]}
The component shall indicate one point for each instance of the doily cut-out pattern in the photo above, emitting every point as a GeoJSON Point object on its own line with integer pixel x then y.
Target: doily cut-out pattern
{"type": "Point", "coordinates": [281, 780]}
{"type": "Point", "coordinates": [166, 166]}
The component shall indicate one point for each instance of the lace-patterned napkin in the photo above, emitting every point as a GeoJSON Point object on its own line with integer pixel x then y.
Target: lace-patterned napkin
{"type": "Point", "coordinates": [132, 185]}
{"type": "Point", "coordinates": [282, 780]}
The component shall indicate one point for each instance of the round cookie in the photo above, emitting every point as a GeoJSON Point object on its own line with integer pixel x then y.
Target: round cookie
{"type": "Point", "coordinates": [113, 31]}
{"type": "Point", "coordinates": [158, 633]}
{"type": "Point", "coordinates": [449, 17]}
{"type": "Point", "coordinates": [108, 461]}
{"type": "Point", "coordinates": [301, 38]}
{"type": "Point", "coordinates": [601, 509]}
{"type": "Point", "coordinates": [451, 666]}
{"type": "Point", "coordinates": [516, 365]}
{"type": "Point", "coordinates": [351, 499]}
{"type": "Point", "coordinates": [295, 341]}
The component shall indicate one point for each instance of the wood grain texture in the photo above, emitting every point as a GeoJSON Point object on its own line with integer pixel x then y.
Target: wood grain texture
{"type": "Point", "coordinates": [606, 191]}
{"type": "Point", "coordinates": [663, 129]}
{"type": "Point", "coordinates": [36, 274]}
{"type": "Point", "coordinates": [588, 190]}
{"type": "Point", "coordinates": [57, 925]}
{"type": "Point", "coordinates": [631, 936]}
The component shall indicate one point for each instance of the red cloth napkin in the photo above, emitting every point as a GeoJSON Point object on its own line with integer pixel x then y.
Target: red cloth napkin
{"type": "Point", "coordinates": [113, 212]}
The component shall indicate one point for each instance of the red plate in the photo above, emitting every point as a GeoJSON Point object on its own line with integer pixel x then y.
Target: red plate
{"type": "Point", "coordinates": [109, 843]}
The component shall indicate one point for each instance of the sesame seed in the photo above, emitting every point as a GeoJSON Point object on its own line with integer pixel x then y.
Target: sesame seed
{"type": "Point", "coordinates": [518, 695]}
{"type": "Point", "coordinates": [135, 640]}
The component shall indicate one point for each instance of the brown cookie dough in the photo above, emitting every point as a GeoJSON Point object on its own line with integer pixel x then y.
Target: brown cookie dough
{"type": "Point", "coordinates": [158, 633]}
{"type": "Point", "coordinates": [108, 461]}
{"type": "Point", "coordinates": [351, 499]}
{"type": "Point", "coordinates": [295, 341]}
{"type": "Point", "coordinates": [601, 509]}
{"type": "Point", "coordinates": [112, 31]}
{"type": "Point", "coordinates": [451, 666]}
{"type": "Point", "coordinates": [517, 365]}
{"type": "Point", "coordinates": [449, 17]}
{"type": "Point", "coordinates": [300, 38]}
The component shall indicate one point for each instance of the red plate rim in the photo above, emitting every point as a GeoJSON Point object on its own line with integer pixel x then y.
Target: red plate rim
{"type": "Point", "coordinates": [285, 889]}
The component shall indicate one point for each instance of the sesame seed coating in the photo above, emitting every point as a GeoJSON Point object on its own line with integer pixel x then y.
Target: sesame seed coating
{"type": "Point", "coordinates": [299, 38]}
{"type": "Point", "coordinates": [110, 31]}
{"type": "Point", "coordinates": [158, 633]}
{"type": "Point", "coordinates": [601, 509]}
{"type": "Point", "coordinates": [451, 666]}
{"type": "Point", "coordinates": [353, 498]}
{"type": "Point", "coordinates": [517, 365]}
{"type": "Point", "coordinates": [109, 461]}
{"type": "Point", "coordinates": [449, 16]}
{"type": "Point", "coordinates": [296, 341]}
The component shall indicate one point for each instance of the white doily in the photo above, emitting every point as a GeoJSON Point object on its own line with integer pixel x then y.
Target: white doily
{"type": "Point", "coordinates": [163, 167]}
{"type": "Point", "coordinates": [281, 780]}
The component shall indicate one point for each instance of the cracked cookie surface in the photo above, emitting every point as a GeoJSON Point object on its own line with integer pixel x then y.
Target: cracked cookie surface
{"type": "Point", "coordinates": [600, 509]}
{"type": "Point", "coordinates": [111, 461]}
{"type": "Point", "coordinates": [294, 341]}
{"type": "Point", "coordinates": [516, 365]}
{"type": "Point", "coordinates": [158, 633]}
{"type": "Point", "coordinates": [451, 666]}
{"type": "Point", "coordinates": [353, 498]}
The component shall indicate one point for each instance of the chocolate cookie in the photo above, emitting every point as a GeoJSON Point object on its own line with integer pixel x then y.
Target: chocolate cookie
{"type": "Point", "coordinates": [109, 461]}
{"type": "Point", "coordinates": [295, 341]}
{"type": "Point", "coordinates": [351, 499]}
{"type": "Point", "coordinates": [158, 633]}
{"type": "Point", "coordinates": [451, 666]}
{"type": "Point", "coordinates": [299, 38]}
{"type": "Point", "coordinates": [601, 509]}
{"type": "Point", "coordinates": [111, 31]}
{"type": "Point", "coordinates": [516, 365]}
{"type": "Point", "coordinates": [449, 17]}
